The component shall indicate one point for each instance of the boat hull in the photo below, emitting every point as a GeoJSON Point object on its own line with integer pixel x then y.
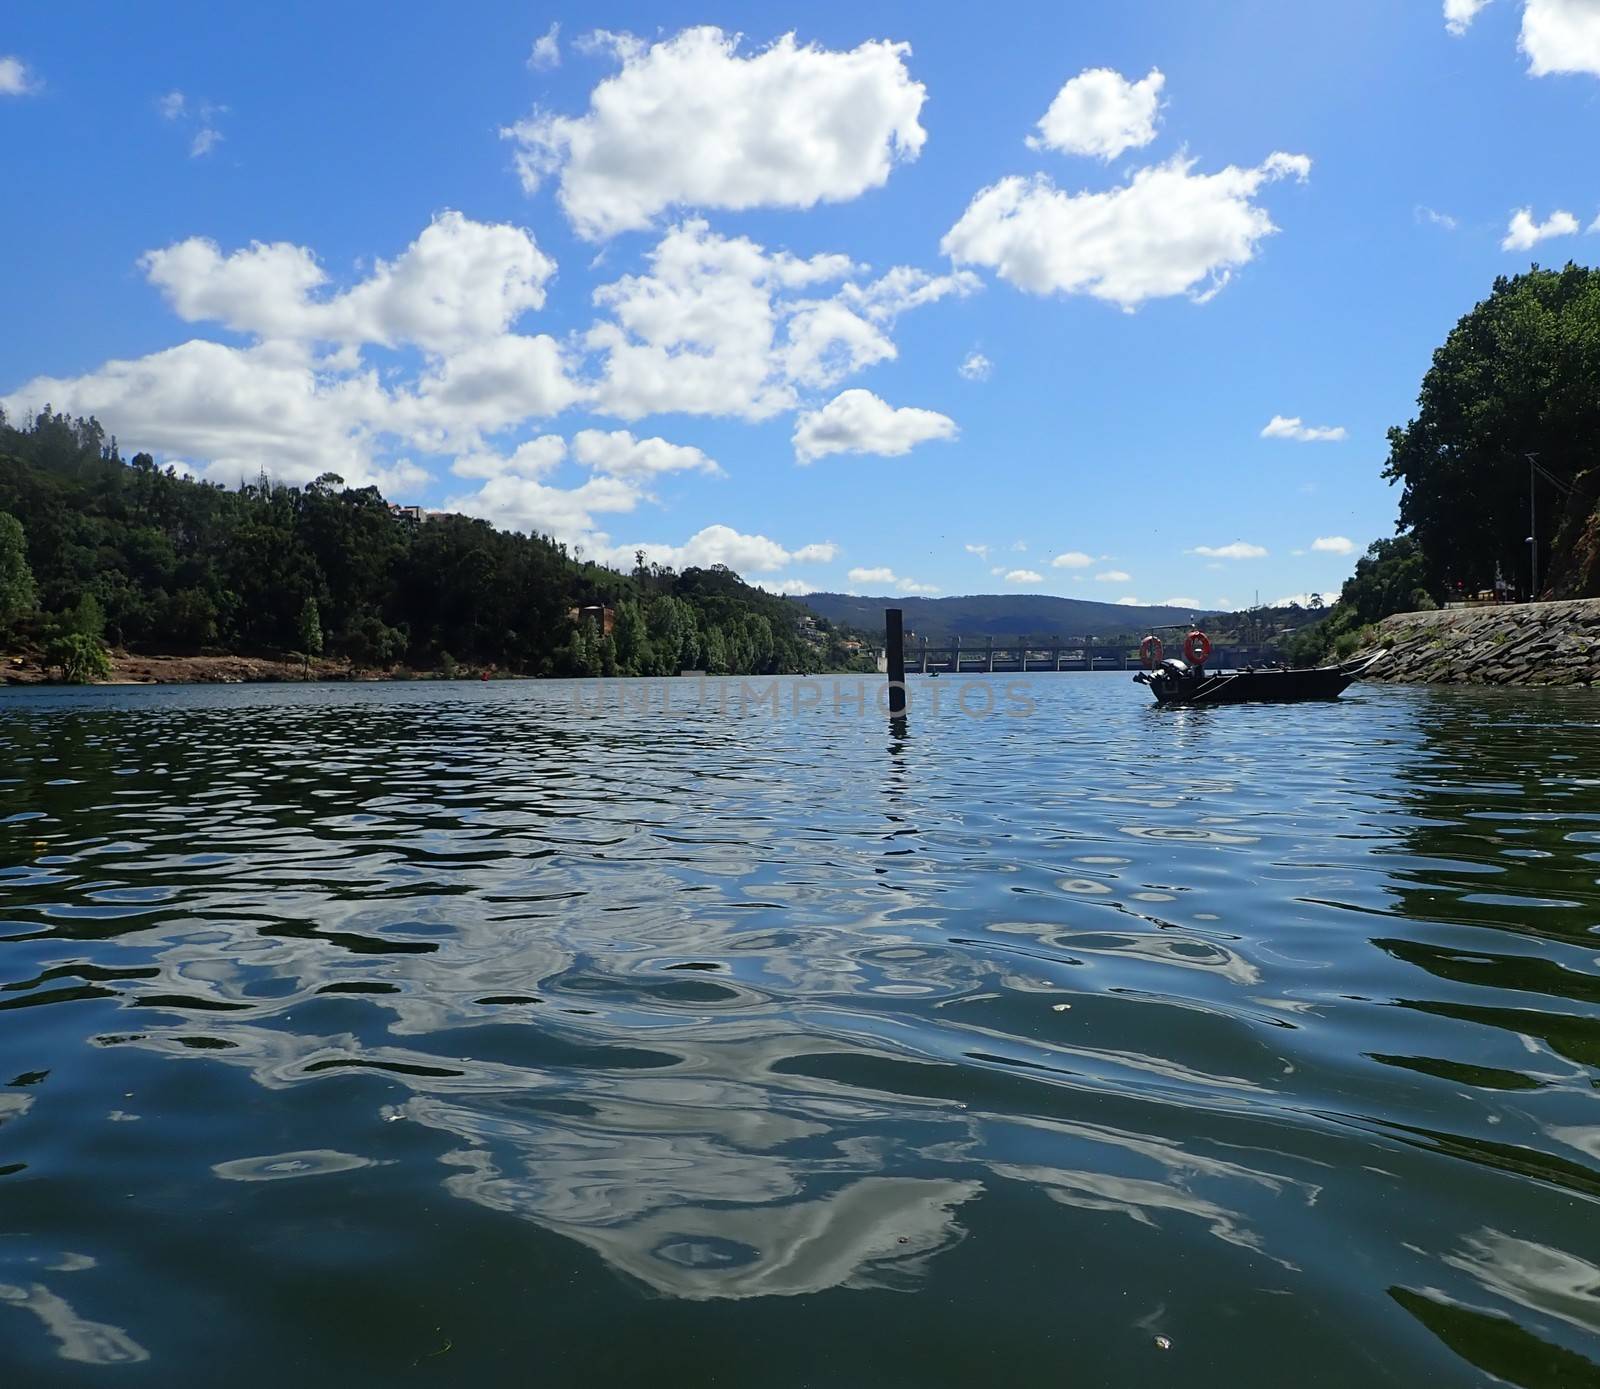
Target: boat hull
{"type": "Point", "coordinates": [1256, 686]}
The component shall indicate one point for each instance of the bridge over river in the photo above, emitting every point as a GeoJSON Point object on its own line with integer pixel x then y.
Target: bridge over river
{"type": "Point", "coordinates": [994, 655]}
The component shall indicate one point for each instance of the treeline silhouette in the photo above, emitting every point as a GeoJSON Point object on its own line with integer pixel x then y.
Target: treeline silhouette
{"type": "Point", "coordinates": [158, 562]}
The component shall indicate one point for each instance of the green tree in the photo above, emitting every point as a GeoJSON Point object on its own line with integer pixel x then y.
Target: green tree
{"type": "Point", "coordinates": [1519, 374]}
{"type": "Point", "coordinates": [81, 659]}
{"type": "Point", "coordinates": [310, 632]}
{"type": "Point", "coordinates": [88, 619]}
{"type": "Point", "coordinates": [17, 590]}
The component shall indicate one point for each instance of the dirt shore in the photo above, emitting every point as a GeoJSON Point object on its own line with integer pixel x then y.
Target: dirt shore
{"type": "Point", "coordinates": [130, 669]}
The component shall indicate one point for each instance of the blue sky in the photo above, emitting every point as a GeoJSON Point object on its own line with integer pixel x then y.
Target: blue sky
{"type": "Point", "coordinates": [646, 283]}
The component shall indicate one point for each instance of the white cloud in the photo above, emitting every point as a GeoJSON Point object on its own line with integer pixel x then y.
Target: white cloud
{"type": "Point", "coordinates": [1524, 233]}
{"type": "Point", "coordinates": [277, 404]}
{"type": "Point", "coordinates": [981, 551]}
{"type": "Point", "coordinates": [484, 388]}
{"type": "Point", "coordinates": [1437, 219]}
{"type": "Point", "coordinates": [1238, 549]}
{"type": "Point", "coordinates": [1113, 576]}
{"type": "Point", "coordinates": [715, 326]}
{"type": "Point", "coordinates": [1169, 231]}
{"type": "Point", "coordinates": [1178, 603]}
{"type": "Point", "coordinates": [15, 77]}
{"type": "Point", "coordinates": [1333, 545]}
{"type": "Point", "coordinates": [1072, 559]}
{"type": "Point", "coordinates": [1131, 602]}
{"type": "Point", "coordinates": [857, 421]}
{"type": "Point", "coordinates": [566, 514]}
{"type": "Point", "coordinates": [171, 106]}
{"type": "Point", "coordinates": [1101, 113]}
{"type": "Point", "coordinates": [460, 281]}
{"type": "Point", "coordinates": [1561, 36]}
{"type": "Point", "coordinates": [546, 51]}
{"type": "Point", "coordinates": [1024, 576]}
{"type": "Point", "coordinates": [883, 575]}
{"type": "Point", "coordinates": [1293, 427]}
{"type": "Point", "coordinates": [821, 552]}
{"type": "Point", "coordinates": [621, 455]}
{"type": "Point", "coordinates": [1459, 14]}
{"type": "Point", "coordinates": [744, 554]}
{"type": "Point", "coordinates": [690, 122]}
{"type": "Point", "coordinates": [534, 458]}
{"type": "Point", "coordinates": [905, 287]}
{"type": "Point", "coordinates": [206, 139]}
{"type": "Point", "coordinates": [976, 367]}
{"type": "Point", "coordinates": [1302, 600]}
{"type": "Point", "coordinates": [230, 411]}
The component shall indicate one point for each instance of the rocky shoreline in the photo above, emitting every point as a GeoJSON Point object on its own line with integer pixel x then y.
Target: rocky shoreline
{"type": "Point", "coordinates": [1509, 644]}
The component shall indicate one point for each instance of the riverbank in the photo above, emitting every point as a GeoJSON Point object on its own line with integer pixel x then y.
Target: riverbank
{"type": "Point", "coordinates": [130, 669]}
{"type": "Point", "coordinates": [1512, 644]}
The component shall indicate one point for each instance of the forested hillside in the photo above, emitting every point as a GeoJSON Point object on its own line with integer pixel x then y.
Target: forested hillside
{"type": "Point", "coordinates": [96, 547]}
{"type": "Point", "coordinates": [997, 615]}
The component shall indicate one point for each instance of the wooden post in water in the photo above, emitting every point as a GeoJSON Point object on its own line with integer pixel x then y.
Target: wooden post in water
{"type": "Point", "coordinates": [895, 641]}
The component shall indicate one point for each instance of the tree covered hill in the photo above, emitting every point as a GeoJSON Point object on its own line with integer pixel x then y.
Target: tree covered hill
{"type": "Point", "coordinates": [996, 615]}
{"type": "Point", "coordinates": [162, 563]}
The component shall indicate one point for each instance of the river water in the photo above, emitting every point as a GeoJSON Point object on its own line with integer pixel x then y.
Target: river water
{"type": "Point", "coordinates": [476, 1034]}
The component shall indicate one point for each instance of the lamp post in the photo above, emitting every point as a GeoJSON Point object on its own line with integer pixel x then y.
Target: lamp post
{"type": "Point", "coordinates": [1533, 530]}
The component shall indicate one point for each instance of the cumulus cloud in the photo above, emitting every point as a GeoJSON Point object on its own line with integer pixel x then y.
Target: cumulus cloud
{"type": "Point", "coordinates": [981, 551]}
{"type": "Point", "coordinates": [1459, 14]}
{"type": "Point", "coordinates": [719, 325]}
{"type": "Point", "coordinates": [286, 405]}
{"type": "Point", "coordinates": [744, 554]}
{"type": "Point", "coordinates": [1178, 603]}
{"type": "Point", "coordinates": [546, 51]}
{"type": "Point", "coordinates": [1293, 427]}
{"type": "Point", "coordinates": [1024, 576]}
{"type": "Point", "coordinates": [787, 588]}
{"type": "Point", "coordinates": [1072, 559]}
{"type": "Point", "coordinates": [564, 513]}
{"type": "Point", "coordinates": [621, 455]}
{"type": "Point", "coordinates": [1333, 545]}
{"type": "Point", "coordinates": [460, 281]}
{"type": "Point", "coordinates": [1557, 36]}
{"type": "Point", "coordinates": [1238, 549]}
{"type": "Point", "coordinates": [1131, 602]}
{"type": "Point", "coordinates": [857, 421]}
{"type": "Point", "coordinates": [884, 576]}
{"type": "Point", "coordinates": [533, 458]}
{"type": "Point", "coordinates": [1524, 233]}
{"type": "Point", "coordinates": [976, 367]}
{"type": "Point", "coordinates": [1101, 113]}
{"type": "Point", "coordinates": [1561, 36]}
{"type": "Point", "coordinates": [823, 552]}
{"type": "Point", "coordinates": [1169, 231]}
{"type": "Point", "coordinates": [15, 77]}
{"type": "Point", "coordinates": [1113, 576]}
{"type": "Point", "coordinates": [691, 121]}
{"type": "Point", "coordinates": [231, 411]}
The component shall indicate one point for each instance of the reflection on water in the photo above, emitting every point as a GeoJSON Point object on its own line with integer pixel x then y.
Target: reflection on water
{"type": "Point", "coordinates": [451, 1015]}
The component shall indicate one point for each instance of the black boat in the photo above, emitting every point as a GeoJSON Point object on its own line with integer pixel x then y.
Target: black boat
{"type": "Point", "coordinates": [1176, 682]}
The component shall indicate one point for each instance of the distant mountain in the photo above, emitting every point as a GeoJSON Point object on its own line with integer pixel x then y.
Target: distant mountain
{"type": "Point", "coordinates": [995, 615]}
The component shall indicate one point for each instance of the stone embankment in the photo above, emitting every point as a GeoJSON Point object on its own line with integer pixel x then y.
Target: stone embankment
{"type": "Point", "coordinates": [1511, 644]}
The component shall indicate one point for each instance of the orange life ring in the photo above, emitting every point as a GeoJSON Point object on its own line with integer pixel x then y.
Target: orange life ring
{"type": "Point", "coordinates": [1150, 652]}
{"type": "Point", "coordinates": [1196, 648]}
